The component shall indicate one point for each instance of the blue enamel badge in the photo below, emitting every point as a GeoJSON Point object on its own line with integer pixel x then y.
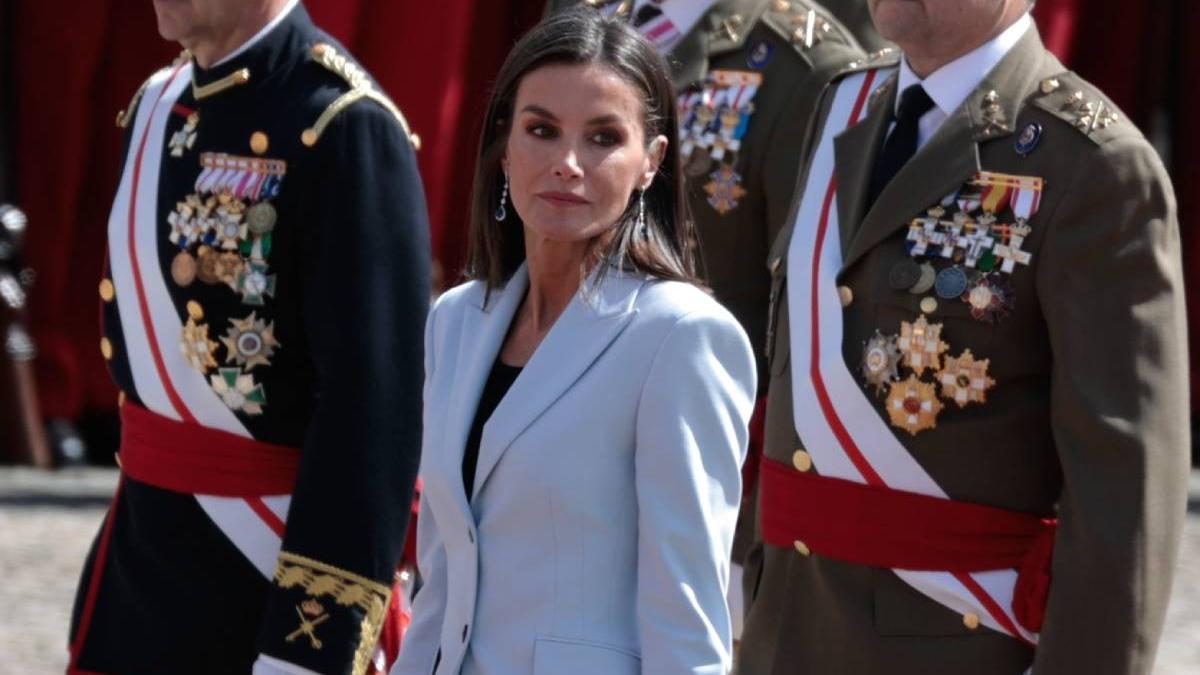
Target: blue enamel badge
{"type": "Point", "coordinates": [1028, 140]}
{"type": "Point", "coordinates": [760, 54]}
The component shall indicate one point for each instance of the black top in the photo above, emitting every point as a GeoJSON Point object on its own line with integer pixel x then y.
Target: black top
{"type": "Point", "coordinates": [498, 383]}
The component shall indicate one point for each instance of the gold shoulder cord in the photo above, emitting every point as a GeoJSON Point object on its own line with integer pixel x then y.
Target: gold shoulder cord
{"type": "Point", "coordinates": [346, 588]}
{"type": "Point", "coordinates": [360, 88]}
{"type": "Point", "coordinates": [126, 115]}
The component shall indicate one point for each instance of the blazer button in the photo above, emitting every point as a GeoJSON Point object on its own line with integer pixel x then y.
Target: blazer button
{"type": "Point", "coordinates": [802, 460]}
{"type": "Point", "coordinates": [846, 295]}
{"type": "Point", "coordinates": [802, 548]}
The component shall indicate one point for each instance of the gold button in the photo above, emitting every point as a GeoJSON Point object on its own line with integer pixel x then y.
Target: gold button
{"type": "Point", "coordinates": [1049, 85]}
{"type": "Point", "coordinates": [846, 295]}
{"type": "Point", "coordinates": [802, 548]}
{"type": "Point", "coordinates": [106, 348]}
{"type": "Point", "coordinates": [971, 620]}
{"type": "Point", "coordinates": [195, 310]}
{"type": "Point", "coordinates": [259, 142]}
{"type": "Point", "coordinates": [319, 49]}
{"type": "Point", "coordinates": [309, 137]}
{"type": "Point", "coordinates": [782, 5]}
{"type": "Point", "coordinates": [801, 460]}
{"type": "Point", "coordinates": [928, 305]}
{"type": "Point", "coordinates": [107, 292]}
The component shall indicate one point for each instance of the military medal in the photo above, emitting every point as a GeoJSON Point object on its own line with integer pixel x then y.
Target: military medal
{"type": "Point", "coordinates": [904, 274]}
{"type": "Point", "coordinates": [250, 342]}
{"type": "Point", "coordinates": [991, 299]}
{"type": "Point", "coordinates": [965, 380]}
{"type": "Point", "coordinates": [724, 189]}
{"type": "Point", "coordinates": [196, 347]}
{"type": "Point", "coordinates": [881, 361]}
{"type": "Point", "coordinates": [185, 138]}
{"type": "Point", "coordinates": [238, 392]}
{"type": "Point", "coordinates": [950, 283]}
{"type": "Point", "coordinates": [228, 268]}
{"type": "Point", "coordinates": [260, 218]}
{"type": "Point", "coordinates": [253, 283]}
{"type": "Point", "coordinates": [926, 280]}
{"type": "Point", "coordinates": [183, 269]}
{"type": "Point", "coordinates": [921, 345]}
{"type": "Point", "coordinates": [206, 265]}
{"type": "Point", "coordinates": [913, 405]}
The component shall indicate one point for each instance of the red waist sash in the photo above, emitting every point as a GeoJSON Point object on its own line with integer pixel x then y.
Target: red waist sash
{"type": "Point", "coordinates": [881, 527]}
{"type": "Point", "coordinates": [194, 459]}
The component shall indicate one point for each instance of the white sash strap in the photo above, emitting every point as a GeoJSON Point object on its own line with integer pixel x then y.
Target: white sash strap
{"type": "Point", "coordinates": [835, 420]}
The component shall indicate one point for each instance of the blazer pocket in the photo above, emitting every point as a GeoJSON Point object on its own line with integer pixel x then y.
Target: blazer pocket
{"type": "Point", "coordinates": [566, 656]}
{"type": "Point", "coordinates": [903, 611]}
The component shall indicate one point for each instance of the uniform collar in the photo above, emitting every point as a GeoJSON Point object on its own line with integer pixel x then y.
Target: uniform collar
{"type": "Point", "coordinates": [723, 28]}
{"type": "Point", "coordinates": [262, 52]}
{"type": "Point", "coordinates": [951, 84]}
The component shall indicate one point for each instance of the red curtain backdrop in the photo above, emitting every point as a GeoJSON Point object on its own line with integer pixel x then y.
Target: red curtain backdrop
{"type": "Point", "coordinates": [435, 59]}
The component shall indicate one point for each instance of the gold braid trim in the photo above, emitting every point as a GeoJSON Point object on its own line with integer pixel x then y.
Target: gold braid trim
{"type": "Point", "coordinates": [360, 88]}
{"type": "Point", "coordinates": [347, 589]}
{"type": "Point", "coordinates": [126, 115]}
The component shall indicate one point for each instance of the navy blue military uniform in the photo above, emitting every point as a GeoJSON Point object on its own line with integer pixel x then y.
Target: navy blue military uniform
{"type": "Point", "coordinates": [263, 309]}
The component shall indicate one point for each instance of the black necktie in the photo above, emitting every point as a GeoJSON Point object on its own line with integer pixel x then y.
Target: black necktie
{"type": "Point", "coordinates": [901, 144]}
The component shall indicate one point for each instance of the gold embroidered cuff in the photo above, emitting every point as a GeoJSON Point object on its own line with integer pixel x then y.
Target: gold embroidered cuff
{"type": "Point", "coordinates": [346, 588]}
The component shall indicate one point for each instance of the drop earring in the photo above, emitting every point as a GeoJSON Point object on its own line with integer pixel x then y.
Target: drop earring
{"type": "Point", "coordinates": [502, 210]}
{"type": "Point", "coordinates": [641, 219]}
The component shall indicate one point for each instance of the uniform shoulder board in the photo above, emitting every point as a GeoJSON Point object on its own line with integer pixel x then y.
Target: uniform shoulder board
{"type": "Point", "coordinates": [1077, 102]}
{"type": "Point", "coordinates": [360, 88]}
{"type": "Point", "coordinates": [124, 117]}
{"type": "Point", "coordinates": [804, 25]}
{"type": "Point", "coordinates": [884, 58]}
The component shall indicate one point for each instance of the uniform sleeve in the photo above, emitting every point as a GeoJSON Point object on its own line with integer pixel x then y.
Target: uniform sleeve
{"type": "Point", "coordinates": [365, 266]}
{"type": "Point", "coordinates": [691, 440]}
{"type": "Point", "coordinates": [1110, 283]}
{"type": "Point", "coordinates": [423, 638]}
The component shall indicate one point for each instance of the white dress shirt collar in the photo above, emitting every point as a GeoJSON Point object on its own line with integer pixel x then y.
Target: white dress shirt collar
{"type": "Point", "coordinates": [287, 9]}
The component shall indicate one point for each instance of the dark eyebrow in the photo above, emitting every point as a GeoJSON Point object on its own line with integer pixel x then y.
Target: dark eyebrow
{"type": "Point", "coordinates": [595, 121]}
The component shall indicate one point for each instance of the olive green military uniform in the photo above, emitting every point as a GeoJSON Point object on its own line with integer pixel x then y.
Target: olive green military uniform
{"type": "Point", "coordinates": [856, 17]}
{"type": "Point", "coordinates": [1081, 414]}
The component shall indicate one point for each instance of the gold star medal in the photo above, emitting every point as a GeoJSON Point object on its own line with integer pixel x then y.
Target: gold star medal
{"type": "Point", "coordinates": [196, 347]}
{"type": "Point", "coordinates": [250, 342]}
{"type": "Point", "coordinates": [921, 345]}
{"type": "Point", "coordinates": [881, 361]}
{"type": "Point", "coordinates": [965, 380]}
{"type": "Point", "coordinates": [913, 405]}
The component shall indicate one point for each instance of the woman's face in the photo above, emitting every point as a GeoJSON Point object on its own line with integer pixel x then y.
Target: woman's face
{"type": "Point", "coordinates": [577, 151]}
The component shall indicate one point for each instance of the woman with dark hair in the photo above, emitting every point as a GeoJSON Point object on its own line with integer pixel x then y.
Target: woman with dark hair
{"type": "Point", "coordinates": [586, 404]}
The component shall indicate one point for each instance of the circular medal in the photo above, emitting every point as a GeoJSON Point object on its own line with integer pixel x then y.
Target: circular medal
{"type": "Point", "coordinates": [206, 265]}
{"type": "Point", "coordinates": [904, 274]}
{"type": "Point", "coordinates": [183, 268]}
{"type": "Point", "coordinates": [925, 281]}
{"type": "Point", "coordinates": [260, 218]}
{"type": "Point", "coordinates": [980, 297]}
{"type": "Point", "coordinates": [950, 283]}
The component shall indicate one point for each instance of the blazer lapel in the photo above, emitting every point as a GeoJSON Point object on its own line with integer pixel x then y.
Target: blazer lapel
{"type": "Point", "coordinates": [950, 157]}
{"type": "Point", "coordinates": [586, 328]}
{"type": "Point", "coordinates": [854, 159]}
{"type": "Point", "coordinates": [483, 334]}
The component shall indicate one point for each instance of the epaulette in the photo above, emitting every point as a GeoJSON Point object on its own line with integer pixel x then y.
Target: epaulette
{"type": "Point", "coordinates": [1078, 103]}
{"type": "Point", "coordinates": [360, 88]}
{"type": "Point", "coordinates": [124, 117]}
{"type": "Point", "coordinates": [803, 25]}
{"type": "Point", "coordinates": [884, 58]}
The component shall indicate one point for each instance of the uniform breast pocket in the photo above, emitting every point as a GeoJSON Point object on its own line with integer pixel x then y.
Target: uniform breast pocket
{"type": "Point", "coordinates": [565, 656]}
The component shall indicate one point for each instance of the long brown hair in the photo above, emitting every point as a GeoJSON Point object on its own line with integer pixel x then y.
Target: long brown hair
{"type": "Point", "coordinates": [583, 36]}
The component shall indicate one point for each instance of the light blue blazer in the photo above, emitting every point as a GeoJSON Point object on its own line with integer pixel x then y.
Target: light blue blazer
{"type": "Point", "coordinates": [607, 488]}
